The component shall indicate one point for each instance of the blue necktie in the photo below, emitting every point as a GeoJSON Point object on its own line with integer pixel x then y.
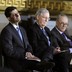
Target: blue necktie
{"type": "Point", "coordinates": [63, 36]}
{"type": "Point", "coordinates": [44, 32]}
{"type": "Point", "coordinates": [19, 32]}
{"type": "Point", "coordinates": [67, 39]}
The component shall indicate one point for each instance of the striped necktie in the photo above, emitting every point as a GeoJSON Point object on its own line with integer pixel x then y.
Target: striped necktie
{"type": "Point", "coordinates": [67, 39]}
{"type": "Point", "coordinates": [44, 32]}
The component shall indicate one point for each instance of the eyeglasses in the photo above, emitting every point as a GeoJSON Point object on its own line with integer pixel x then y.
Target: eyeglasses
{"type": "Point", "coordinates": [48, 18]}
{"type": "Point", "coordinates": [62, 23]}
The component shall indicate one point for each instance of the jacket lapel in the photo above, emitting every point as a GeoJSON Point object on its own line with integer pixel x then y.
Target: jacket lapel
{"type": "Point", "coordinates": [58, 35]}
{"type": "Point", "coordinates": [23, 36]}
{"type": "Point", "coordinates": [16, 35]}
{"type": "Point", "coordinates": [40, 33]}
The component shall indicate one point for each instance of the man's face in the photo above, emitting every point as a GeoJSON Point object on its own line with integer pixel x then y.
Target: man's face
{"type": "Point", "coordinates": [62, 23]}
{"type": "Point", "coordinates": [43, 19]}
{"type": "Point", "coordinates": [15, 16]}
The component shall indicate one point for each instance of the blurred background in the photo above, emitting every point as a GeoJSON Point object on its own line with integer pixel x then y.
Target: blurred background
{"type": "Point", "coordinates": [27, 9]}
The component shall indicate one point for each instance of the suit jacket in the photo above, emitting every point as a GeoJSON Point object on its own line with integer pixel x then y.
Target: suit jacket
{"type": "Point", "coordinates": [62, 42]}
{"type": "Point", "coordinates": [39, 42]}
{"type": "Point", "coordinates": [12, 47]}
{"type": "Point", "coordinates": [62, 60]}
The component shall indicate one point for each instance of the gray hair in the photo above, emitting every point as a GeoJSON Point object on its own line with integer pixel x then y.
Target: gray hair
{"type": "Point", "coordinates": [61, 14]}
{"type": "Point", "coordinates": [41, 11]}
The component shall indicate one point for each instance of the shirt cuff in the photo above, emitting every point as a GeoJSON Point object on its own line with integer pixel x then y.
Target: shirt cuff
{"type": "Point", "coordinates": [70, 50]}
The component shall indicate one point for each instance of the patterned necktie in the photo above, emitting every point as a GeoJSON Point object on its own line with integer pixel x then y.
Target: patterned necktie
{"type": "Point", "coordinates": [63, 36]}
{"type": "Point", "coordinates": [44, 32]}
{"type": "Point", "coordinates": [19, 32]}
{"type": "Point", "coordinates": [67, 39]}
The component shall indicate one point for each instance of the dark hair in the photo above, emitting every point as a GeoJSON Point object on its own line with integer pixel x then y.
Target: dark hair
{"type": "Point", "coordinates": [8, 10]}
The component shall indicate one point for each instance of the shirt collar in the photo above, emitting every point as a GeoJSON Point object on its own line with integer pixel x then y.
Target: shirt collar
{"type": "Point", "coordinates": [15, 25]}
{"type": "Point", "coordinates": [39, 25]}
{"type": "Point", "coordinates": [59, 30]}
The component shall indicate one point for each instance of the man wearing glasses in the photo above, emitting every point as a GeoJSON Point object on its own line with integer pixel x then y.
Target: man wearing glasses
{"type": "Point", "coordinates": [64, 41]}
{"type": "Point", "coordinates": [40, 37]}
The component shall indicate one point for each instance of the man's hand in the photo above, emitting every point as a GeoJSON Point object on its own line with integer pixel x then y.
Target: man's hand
{"type": "Point", "coordinates": [29, 56]}
{"type": "Point", "coordinates": [57, 50]}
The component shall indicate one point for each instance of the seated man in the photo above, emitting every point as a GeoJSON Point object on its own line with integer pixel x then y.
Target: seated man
{"type": "Point", "coordinates": [64, 41]}
{"type": "Point", "coordinates": [16, 49]}
{"type": "Point", "coordinates": [40, 37]}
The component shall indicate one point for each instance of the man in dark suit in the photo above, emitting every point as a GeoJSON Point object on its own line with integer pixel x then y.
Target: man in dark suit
{"type": "Point", "coordinates": [64, 41]}
{"type": "Point", "coordinates": [16, 49]}
{"type": "Point", "coordinates": [40, 37]}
